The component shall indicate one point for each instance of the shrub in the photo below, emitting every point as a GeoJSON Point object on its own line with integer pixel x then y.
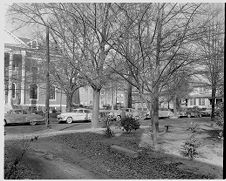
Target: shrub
{"type": "Point", "coordinates": [129, 124]}
{"type": "Point", "coordinates": [193, 127]}
{"type": "Point", "coordinates": [189, 148]}
{"type": "Point", "coordinates": [13, 170]}
{"type": "Point", "coordinates": [108, 132]}
{"type": "Point", "coordinates": [220, 115]}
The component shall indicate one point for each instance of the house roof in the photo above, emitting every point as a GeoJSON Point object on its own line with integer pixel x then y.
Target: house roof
{"type": "Point", "coordinates": [10, 39]}
{"type": "Point", "coordinates": [202, 95]}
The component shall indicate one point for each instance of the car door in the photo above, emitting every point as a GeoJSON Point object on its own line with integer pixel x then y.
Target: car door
{"type": "Point", "coordinates": [78, 114]}
{"type": "Point", "coordinates": [74, 115]}
{"type": "Point", "coordinates": [19, 116]}
{"type": "Point", "coordinates": [10, 116]}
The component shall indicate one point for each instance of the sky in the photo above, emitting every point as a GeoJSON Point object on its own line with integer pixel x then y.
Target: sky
{"type": "Point", "coordinates": [29, 32]}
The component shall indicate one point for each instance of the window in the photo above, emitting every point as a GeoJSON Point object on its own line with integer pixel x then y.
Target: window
{"type": "Point", "coordinates": [86, 111]}
{"type": "Point", "coordinates": [33, 91]}
{"type": "Point", "coordinates": [13, 90]}
{"type": "Point", "coordinates": [6, 60]}
{"type": "Point", "coordinates": [34, 73]}
{"type": "Point", "coordinates": [34, 44]}
{"type": "Point", "coordinates": [192, 102]}
{"type": "Point", "coordinates": [52, 92]}
{"type": "Point", "coordinates": [6, 88]}
{"type": "Point", "coordinates": [201, 101]}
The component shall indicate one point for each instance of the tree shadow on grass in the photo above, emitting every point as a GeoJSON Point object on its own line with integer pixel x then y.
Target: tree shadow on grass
{"type": "Point", "coordinates": [149, 165]}
{"type": "Point", "coordinates": [213, 135]}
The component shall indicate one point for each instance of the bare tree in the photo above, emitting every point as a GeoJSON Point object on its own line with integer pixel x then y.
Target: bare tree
{"type": "Point", "coordinates": [162, 36]}
{"type": "Point", "coordinates": [211, 47]}
{"type": "Point", "coordinates": [81, 32]}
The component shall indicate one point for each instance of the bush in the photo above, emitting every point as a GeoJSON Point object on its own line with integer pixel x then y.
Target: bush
{"type": "Point", "coordinates": [219, 115]}
{"type": "Point", "coordinates": [129, 124]}
{"type": "Point", "coordinates": [13, 170]}
{"type": "Point", "coordinates": [194, 127]}
{"type": "Point", "coordinates": [108, 132]}
{"type": "Point", "coordinates": [189, 148]}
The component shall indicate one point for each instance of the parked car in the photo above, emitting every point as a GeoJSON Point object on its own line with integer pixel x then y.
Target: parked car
{"type": "Point", "coordinates": [76, 115]}
{"type": "Point", "coordinates": [206, 112]}
{"type": "Point", "coordinates": [22, 116]}
{"type": "Point", "coordinates": [191, 112]}
{"type": "Point", "coordinates": [116, 114]}
{"type": "Point", "coordinates": [163, 113]}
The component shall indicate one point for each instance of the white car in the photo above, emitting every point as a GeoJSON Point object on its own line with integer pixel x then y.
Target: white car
{"type": "Point", "coordinates": [128, 112]}
{"type": "Point", "coordinates": [76, 115]}
{"type": "Point", "coordinates": [163, 113]}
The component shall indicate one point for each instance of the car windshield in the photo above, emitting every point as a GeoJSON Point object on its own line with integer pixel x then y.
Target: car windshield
{"type": "Point", "coordinates": [87, 111]}
{"type": "Point", "coordinates": [18, 111]}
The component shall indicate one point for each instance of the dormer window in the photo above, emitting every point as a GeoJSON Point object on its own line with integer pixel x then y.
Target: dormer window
{"type": "Point", "coordinates": [33, 44]}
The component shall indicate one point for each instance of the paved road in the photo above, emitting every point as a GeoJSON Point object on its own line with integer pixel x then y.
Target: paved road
{"type": "Point", "coordinates": [15, 129]}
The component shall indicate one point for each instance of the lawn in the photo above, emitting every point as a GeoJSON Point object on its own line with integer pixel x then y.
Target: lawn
{"type": "Point", "coordinates": [165, 163]}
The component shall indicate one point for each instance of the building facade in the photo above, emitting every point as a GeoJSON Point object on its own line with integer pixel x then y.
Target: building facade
{"type": "Point", "coordinates": [24, 75]}
{"type": "Point", "coordinates": [24, 79]}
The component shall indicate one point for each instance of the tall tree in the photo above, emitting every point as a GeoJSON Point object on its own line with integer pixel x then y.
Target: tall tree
{"type": "Point", "coordinates": [81, 32]}
{"type": "Point", "coordinates": [162, 36]}
{"type": "Point", "coordinates": [212, 53]}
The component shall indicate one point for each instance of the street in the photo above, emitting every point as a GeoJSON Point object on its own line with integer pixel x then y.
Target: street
{"type": "Point", "coordinates": [15, 129]}
{"type": "Point", "coordinates": [20, 129]}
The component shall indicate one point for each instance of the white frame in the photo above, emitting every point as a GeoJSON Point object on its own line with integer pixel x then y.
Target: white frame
{"type": "Point", "coordinates": [54, 93]}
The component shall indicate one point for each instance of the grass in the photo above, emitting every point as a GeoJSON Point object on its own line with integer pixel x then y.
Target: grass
{"type": "Point", "coordinates": [150, 165]}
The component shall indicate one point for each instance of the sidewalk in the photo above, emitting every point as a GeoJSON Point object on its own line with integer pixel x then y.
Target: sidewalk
{"type": "Point", "coordinates": [48, 133]}
{"type": "Point", "coordinates": [52, 132]}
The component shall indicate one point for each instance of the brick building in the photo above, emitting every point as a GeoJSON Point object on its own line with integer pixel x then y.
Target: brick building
{"type": "Point", "coordinates": [24, 74]}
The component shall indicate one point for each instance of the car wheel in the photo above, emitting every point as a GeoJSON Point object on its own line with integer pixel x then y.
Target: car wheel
{"type": "Point", "coordinates": [118, 118]}
{"type": "Point", "coordinates": [33, 122]}
{"type": "Point", "coordinates": [189, 115]}
{"type": "Point", "coordinates": [69, 120]}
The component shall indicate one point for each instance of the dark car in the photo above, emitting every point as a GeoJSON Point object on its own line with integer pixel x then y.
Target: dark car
{"type": "Point", "coordinates": [22, 116]}
{"type": "Point", "coordinates": [191, 112]}
{"type": "Point", "coordinates": [206, 112]}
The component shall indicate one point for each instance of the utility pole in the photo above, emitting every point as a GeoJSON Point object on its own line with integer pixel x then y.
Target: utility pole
{"type": "Point", "coordinates": [47, 77]}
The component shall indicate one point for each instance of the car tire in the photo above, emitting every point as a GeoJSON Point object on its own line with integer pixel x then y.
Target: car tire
{"type": "Point", "coordinates": [118, 118]}
{"type": "Point", "coordinates": [69, 120]}
{"type": "Point", "coordinates": [33, 122]}
{"type": "Point", "coordinates": [189, 115]}
{"type": "Point", "coordinates": [5, 123]}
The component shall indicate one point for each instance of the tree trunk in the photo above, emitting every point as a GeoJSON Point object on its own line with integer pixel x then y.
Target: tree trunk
{"type": "Point", "coordinates": [175, 105]}
{"type": "Point", "coordinates": [96, 102]}
{"type": "Point", "coordinates": [213, 102]}
{"type": "Point", "coordinates": [47, 77]}
{"type": "Point", "coordinates": [155, 117]}
{"type": "Point", "coordinates": [69, 102]}
{"type": "Point", "coordinates": [76, 97]}
{"type": "Point", "coordinates": [168, 105]}
{"type": "Point", "coordinates": [129, 94]}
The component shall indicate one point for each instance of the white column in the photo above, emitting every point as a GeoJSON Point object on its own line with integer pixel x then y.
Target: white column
{"type": "Point", "coordinates": [23, 53]}
{"type": "Point", "coordinates": [10, 78]}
